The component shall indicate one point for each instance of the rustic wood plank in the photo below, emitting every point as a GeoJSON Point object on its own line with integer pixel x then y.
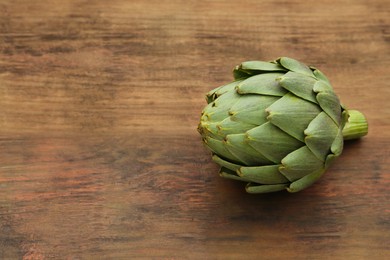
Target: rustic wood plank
{"type": "Point", "coordinates": [99, 154]}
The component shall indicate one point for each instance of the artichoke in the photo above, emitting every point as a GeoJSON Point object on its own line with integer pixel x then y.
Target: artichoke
{"type": "Point", "coordinates": [278, 125]}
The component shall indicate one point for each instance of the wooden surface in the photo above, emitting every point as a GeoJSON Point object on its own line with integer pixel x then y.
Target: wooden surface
{"type": "Point", "coordinates": [99, 153]}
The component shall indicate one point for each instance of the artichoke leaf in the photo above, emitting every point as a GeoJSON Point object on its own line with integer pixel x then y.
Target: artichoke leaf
{"type": "Point", "coordinates": [215, 93]}
{"type": "Point", "coordinates": [320, 135]}
{"type": "Point", "coordinates": [272, 142]}
{"type": "Point", "coordinates": [292, 114]}
{"type": "Point", "coordinates": [329, 102]}
{"type": "Point", "coordinates": [266, 188]}
{"type": "Point", "coordinates": [223, 163]}
{"type": "Point", "coordinates": [329, 159]}
{"type": "Point", "coordinates": [300, 163]}
{"type": "Point", "coordinates": [260, 66]}
{"type": "Point", "coordinates": [263, 84]}
{"type": "Point", "coordinates": [251, 109]}
{"type": "Point", "coordinates": [268, 174]}
{"type": "Point", "coordinates": [239, 74]}
{"type": "Point", "coordinates": [300, 85]}
{"type": "Point", "coordinates": [336, 148]}
{"type": "Point", "coordinates": [229, 174]}
{"type": "Point", "coordinates": [228, 126]}
{"type": "Point", "coordinates": [227, 88]}
{"type": "Point", "coordinates": [305, 181]}
{"type": "Point", "coordinates": [218, 147]}
{"type": "Point", "coordinates": [218, 109]}
{"type": "Point", "coordinates": [320, 76]}
{"type": "Point", "coordinates": [210, 129]}
{"type": "Point", "coordinates": [322, 86]}
{"type": "Point", "coordinates": [296, 66]}
{"type": "Point", "coordinates": [344, 117]}
{"type": "Point", "coordinates": [238, 146]}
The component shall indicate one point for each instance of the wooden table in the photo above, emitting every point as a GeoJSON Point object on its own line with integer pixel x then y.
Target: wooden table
{"type": "Point", "coordinates": [99, 153]}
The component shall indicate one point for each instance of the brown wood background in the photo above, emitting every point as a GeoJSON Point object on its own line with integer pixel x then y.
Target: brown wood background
{"type": "Point", "coordinates": [99, 153]}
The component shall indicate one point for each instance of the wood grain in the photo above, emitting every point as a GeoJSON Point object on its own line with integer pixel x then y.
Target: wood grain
{"type": "Point", "coordinates": [99, 154]}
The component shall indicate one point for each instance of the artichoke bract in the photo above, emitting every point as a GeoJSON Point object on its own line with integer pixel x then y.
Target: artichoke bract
{"type": "Point", "coordinates": [278, 125]}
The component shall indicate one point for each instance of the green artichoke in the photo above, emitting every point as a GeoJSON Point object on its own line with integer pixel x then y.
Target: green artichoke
{"type": "Point", "coordinates": [277, 126]}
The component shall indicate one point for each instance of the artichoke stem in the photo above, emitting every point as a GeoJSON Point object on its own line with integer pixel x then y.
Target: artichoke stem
{"type": "Point", "coordinates": [356, 125]}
